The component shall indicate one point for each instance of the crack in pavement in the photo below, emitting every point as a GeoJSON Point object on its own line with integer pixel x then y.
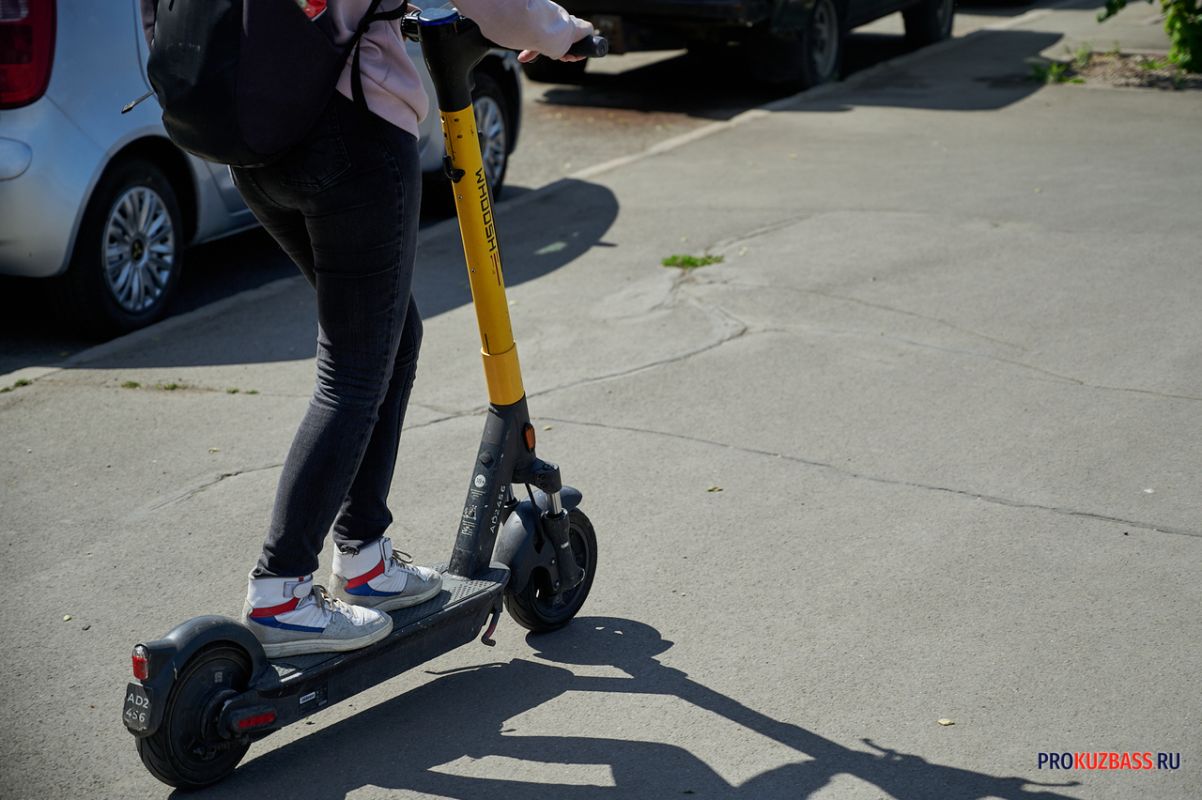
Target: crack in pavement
{"type": "Point", "coordinates": [733, 332]}
{"type": "Point", "coordinates": [866, 303]}
{"type": "Point", "coordinates": [988, 498]}
{"type": "Point", "coordinates": [1058, 377]}
{"type": "Point", "coordinates": [189, 493]}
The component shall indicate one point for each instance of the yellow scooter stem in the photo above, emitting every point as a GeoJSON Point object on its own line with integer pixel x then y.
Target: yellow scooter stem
{"type": "Point", "coordinates": [473, 205]}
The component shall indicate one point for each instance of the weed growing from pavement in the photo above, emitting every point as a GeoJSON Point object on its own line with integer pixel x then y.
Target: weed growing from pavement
{"type": "Point", "coordinates": [17, 385]}
{"type": "Point", "coordinates": [168, 387]}
{"type": "Point", "coordinates": [1054, 72]}
{"type": "Point", "coordinates": [1152, 64]}
{"type": "Point", "coordinates": [131, 385]}
{"type": "Point", "coordinates": [685, 261]}
{"type": "Point", "coordinates": [1082, 55]}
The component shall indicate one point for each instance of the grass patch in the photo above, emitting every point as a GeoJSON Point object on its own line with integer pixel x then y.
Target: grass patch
{"type": "Point", "coordinates": [169, 387]}
{"type": "Point", "coordinates": [16, 385]}
{"type": "Point", "coordinates": [685, 261]}
{"type": "Point", "coordinates": [1054, 72]}
{"type": "Point", "coordinates": [131, 385]}
{"type": "Point", "coordinates": [1082, 56]}
{"type": "Point", "coordinates": [232, 390]}
{"type": "Point", "coordinates": [1153, 64]}
{"type": "Point", "coordinates": [252, 391]}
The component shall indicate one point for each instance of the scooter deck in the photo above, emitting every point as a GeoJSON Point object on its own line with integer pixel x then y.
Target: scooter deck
{"type": "Point", "coordinates": [308, 683]}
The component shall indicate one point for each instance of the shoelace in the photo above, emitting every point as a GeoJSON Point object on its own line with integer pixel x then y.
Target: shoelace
{"type": "Point", "coordinates": [404, 561]}
{"type": "Point", "coordinates": [326, 601]}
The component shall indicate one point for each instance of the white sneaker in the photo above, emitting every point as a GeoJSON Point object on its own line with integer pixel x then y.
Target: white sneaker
{"type": "Point", "coordinates": [381, 578]}
{"type": "Point", "coordinates": [292, 616]}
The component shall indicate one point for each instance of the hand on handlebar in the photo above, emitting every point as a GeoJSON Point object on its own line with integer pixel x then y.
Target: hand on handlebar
{"type": "Point", "coordinates": [526, 56]}
{"type": "Point", "coordinates": [586, 45]}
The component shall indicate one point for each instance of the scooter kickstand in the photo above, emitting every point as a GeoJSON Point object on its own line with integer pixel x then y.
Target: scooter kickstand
{"type": "Point", "coordinates": [492, 628]}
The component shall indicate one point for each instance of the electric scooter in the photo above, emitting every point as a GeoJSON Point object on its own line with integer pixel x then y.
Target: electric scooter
{"type": "Point", "coordinates": [204, 692]}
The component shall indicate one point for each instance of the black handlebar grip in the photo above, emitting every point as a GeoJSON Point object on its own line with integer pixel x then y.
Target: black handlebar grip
{"type": "Point", "coordinates": [590, 47]}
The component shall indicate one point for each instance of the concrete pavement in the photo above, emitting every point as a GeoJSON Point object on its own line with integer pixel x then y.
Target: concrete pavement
{"type": "Point", "coordinates": [945, 380]}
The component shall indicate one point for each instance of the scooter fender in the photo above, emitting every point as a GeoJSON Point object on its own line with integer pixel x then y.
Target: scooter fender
{"type": "Point", "coordinates": [519, 544]}
{"type": "Point", "coordinates": [145, 701]}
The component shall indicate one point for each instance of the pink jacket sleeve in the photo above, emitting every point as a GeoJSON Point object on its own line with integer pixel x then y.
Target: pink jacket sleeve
{"type": "Point", "coordinates": [526, 24]}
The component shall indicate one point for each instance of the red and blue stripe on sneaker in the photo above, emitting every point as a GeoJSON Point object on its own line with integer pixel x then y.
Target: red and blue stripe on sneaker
{"type": "Point", "coordinates": [267, 616]}
{"type": "Point", "coordinates": [359, 588]}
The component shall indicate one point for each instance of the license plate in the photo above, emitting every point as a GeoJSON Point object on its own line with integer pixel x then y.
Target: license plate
{"type": "Point", "coordinates": [137, 708]}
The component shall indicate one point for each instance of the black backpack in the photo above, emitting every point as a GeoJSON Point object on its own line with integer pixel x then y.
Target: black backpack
{"type": "Point", "coordinates": [242, 81]}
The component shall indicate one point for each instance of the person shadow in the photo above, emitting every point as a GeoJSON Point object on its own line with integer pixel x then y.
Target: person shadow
{"type": "Point", "coordinates": [405, 743]}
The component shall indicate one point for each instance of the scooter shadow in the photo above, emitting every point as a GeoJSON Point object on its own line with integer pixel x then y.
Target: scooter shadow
{"type": "Point", "coordinates": [401, 744]}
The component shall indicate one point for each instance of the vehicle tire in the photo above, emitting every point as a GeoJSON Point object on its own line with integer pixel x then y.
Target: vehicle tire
{"type": "Point", "coordinates": [929, 21]}
{"type": "Point", "coordinates": [186, 751]}
{"type": "Point", "coordinates": [494, 123]}
{"type": "Point", "coordinates": [128, 253]}
{"type": "Point", "coordinates": [535, 607]}
{"type": "Point", "coordinates": [807, 58]}
{"type": "Point", "coordinates": [548, 70]}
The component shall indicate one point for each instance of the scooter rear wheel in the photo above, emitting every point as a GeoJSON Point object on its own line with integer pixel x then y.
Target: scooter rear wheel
{"type": "Point", "coordinates": [186, 751]}
{"type": "Point", "coordinates": [537, 608]}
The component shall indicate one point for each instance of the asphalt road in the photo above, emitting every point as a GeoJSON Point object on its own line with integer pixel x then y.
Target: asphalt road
{"type": "Point", "coordinates": [626, 104]}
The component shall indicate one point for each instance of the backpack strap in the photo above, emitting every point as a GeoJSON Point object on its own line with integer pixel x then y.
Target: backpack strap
{"type": "Point", "coordinates": [373, 15]}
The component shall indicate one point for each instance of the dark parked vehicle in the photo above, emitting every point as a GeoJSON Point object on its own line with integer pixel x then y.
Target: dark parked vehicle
{"type": "Point", "coordinates": [783, 41]}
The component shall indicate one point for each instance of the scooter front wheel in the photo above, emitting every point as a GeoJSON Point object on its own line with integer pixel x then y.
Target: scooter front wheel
{"type": "Point", "coordinates": [537, 608]}
{"type": "Point", "coordinates": [187, 751]}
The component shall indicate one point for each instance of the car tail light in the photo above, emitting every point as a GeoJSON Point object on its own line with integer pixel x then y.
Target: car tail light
{"type": "Point", "coordinates": [26, 50]}
{"type": "Point", "coordinates": [141, 659]}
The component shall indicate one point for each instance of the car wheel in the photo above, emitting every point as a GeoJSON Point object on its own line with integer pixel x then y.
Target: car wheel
{"type": "Point", "coordinates": [929, 21]}
{"type": "Point", "coordinates": [494, 125]}
{"type": "Point", "coordinates": [807, 58]}
{"type": "Point", "coordinates": [548, 70]}
{"type": "Point", "coordinates": [127, 258]}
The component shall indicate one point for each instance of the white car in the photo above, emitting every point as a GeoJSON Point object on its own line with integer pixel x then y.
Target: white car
{"type": "Point", "coordinates": [101, 202]}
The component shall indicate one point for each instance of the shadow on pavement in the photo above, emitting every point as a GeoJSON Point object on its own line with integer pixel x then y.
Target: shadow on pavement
{"type": "Point", "coordinates": [406, 743]}
{"type": "Point", "coordinates": [32, 334]}
{"type": "Point", "coordinates": [995, 76]}
{"type": "Point", "coordinates": [998, 76]}
{"type": "Point", "coordinates": [567, 221]}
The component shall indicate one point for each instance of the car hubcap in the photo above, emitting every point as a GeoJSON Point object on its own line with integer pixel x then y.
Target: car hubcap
{"type": "Point", "coordinates": [490, 122]}
{"type": "Point", "coordinates": [139, 249]}
{"type": "Point", "coordinates": [825, 38]}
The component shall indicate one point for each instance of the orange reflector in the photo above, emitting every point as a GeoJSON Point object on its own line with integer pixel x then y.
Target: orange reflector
{"type": "Point", "coordinates": [528, 433]}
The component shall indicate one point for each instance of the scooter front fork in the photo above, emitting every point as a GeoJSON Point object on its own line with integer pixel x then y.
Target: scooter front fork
{"type": "Point", "coordinates": [557, 528]}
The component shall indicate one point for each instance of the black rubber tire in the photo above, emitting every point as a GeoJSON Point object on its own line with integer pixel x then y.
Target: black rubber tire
{"type": "Point", "coordinates": [535, 608]}
{"type": "Point", "coordinates": [794, 59]}
{"type": "Point", "coordinates": [170, 752]}
{"type": "Point", "coordinates": [929, 21]}
{"type": "Point", "coordinates": [487, 87]}
{"type": "Point", "coordinates": [83, 296]}
{"type": "Point", "coordinates": [548, 70]}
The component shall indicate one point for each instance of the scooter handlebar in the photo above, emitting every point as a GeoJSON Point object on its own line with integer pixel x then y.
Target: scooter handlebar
{"type": "Point", "coordinates": [590, 47]}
